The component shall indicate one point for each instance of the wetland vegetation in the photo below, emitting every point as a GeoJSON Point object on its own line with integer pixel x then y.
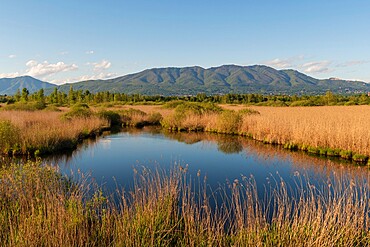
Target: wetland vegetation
{"type": "Point", "coordinates": [42, 207]}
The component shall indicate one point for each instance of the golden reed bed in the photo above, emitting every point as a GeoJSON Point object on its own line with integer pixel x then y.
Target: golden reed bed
{"type": "Point", "coordinates": [342, 127]}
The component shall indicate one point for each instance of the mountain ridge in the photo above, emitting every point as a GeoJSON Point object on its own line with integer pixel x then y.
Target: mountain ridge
{"type": "Point", "coordinates": [222, 79]}
{"type": "Point", "coordinates": [9, 86]}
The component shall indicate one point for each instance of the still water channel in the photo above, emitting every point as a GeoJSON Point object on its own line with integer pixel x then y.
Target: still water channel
{"type": "Point", "coordinates": [112, 158]}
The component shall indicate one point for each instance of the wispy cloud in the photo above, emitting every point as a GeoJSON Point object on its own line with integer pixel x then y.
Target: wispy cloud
{"type": "Point", "coordinates": [316, 67]}
{"type": "Point", "coordinates": [279, 63]}
{"type": "Point", "coordinates": [352, 63]}
{"type": "Point", "coordinates": [63, 53]}
{"type": "Point", "coordinates": [103, 65]}
{"type": "Point", "coordinates": [46, 69]}
{"type": "Point", "coordinates": [89, 52]}
{"type": "Point", "coordinates": [284, 63]}
{"type": "Point", "coordinates": [9, 75]}
{"type": "Point", "coordinates": [12, 56]}
{"type": "Point", "coordinates": [100, 76]}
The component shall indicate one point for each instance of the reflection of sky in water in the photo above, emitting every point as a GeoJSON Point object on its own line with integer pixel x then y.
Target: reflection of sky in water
{"type": "Point", "coordinates": [220, 158]}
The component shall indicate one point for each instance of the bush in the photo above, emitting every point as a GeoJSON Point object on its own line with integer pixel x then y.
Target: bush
{"type": "Point", "coordinates": [78, 111]}
{"type": "Point", "coordinates": [229, 122]}
{"type": "Point", "coordinates": [333, 152]}
{"type": "Point", "coordinates": [197, 108]}
{"type": "Point", "coordinates": [360, 158]}
{"type": "Point", "coordinates": [345, 154]}
{"type": "Point", "coordinates": [155, 118]}
{"type": "Point", "coordinates": [249, 111]}
{"type": "Point", "coordinates": [113, 117]}
{"type": "Point", "coordinates": [30, 106]}
{"type": "Point", "coordinates": [52, 108]}
{"type": "Point", "coordinates": [9, 136]}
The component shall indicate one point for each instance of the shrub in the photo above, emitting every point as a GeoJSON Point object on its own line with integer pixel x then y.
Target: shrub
{"type": "Point", "coordinates": [78, 111]}
{"type": "Point", "coordinates": [291, 146]}
{"type": "Point", "coordinates": [333, 152]}
{"type": "Point", "coordinates": [29, 106]}
{"type": "Point", "coordinates": [155, 118]}
{"type": "Point", "coordinates": [345, 154]}
{"type": "Point", "coordinates": [9, 136]}
{"type": "Point", "coordinates": [52, 108]}
{"type": "Point", "coordinates": [132, 117]}
{"type": "Point", "coordinates": [360, 158]}
{"type": "Point", "coordinates": [229, 122]}
{"type": "Point", "coordinates": [113, 117]}
{"type": "Point", "coordinates": [249, 111]}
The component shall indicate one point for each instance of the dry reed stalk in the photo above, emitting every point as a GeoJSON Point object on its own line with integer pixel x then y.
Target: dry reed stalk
{"type": "Point", "coordinates": [343, 127]}
{"type": "Point", "coordinates": [47, 129]}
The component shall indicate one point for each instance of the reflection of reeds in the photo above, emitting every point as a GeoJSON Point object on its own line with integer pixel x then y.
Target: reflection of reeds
{"type": "Point", "coordinates": [41, 208]}
{"type": "Point", "coordinates": [47, 131]}
{"type": "Point", "coordinates": [321, 130]}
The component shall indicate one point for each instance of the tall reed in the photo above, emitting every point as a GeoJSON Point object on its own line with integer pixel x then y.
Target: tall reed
{"type": "Point", "coordinates": [47, 131]}
{"type": "Point", "coordinates": [39, 207]}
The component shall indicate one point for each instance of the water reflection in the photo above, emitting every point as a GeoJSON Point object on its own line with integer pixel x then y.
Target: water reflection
{"type": "Point", "coordinates": [220, 157]}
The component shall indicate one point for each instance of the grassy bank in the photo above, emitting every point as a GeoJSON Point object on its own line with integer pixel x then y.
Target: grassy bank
{"type": "Point", "coordinates": [329, 131]}
{"type": "Point", "coordinates": [338, 131]}
{"type": "Point", "coordinates": [39, 132]}
{"type": "Point", "coordinates": [39, 207]}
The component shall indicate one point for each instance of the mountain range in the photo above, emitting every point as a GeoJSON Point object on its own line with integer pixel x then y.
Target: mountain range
{"type": "Point", "coordinates": [9, 86]}
{"type": "Point", "coordinates": [193, 80]}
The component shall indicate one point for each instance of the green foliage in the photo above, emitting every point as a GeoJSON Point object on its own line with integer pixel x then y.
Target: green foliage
{"type": "Point", "coordinates": [78, 111]}
{"type": "Point", "coordinates": [155, 118]}
{"type": "Point", "coordinates": [229, 122]}
{"type": "Point", "coordinates": [333, 152]}
{"type": "Point", "coordinates": [173, 104]}
{"type": "Point", "coordinates": [9, 136]}
{"type": "Point", "coordinates": [113, 117]}
{"type": "Point", "coordinates": [25, 106]}
{"type": "Point", "coordinates": [196, 108]}
{"type": "Point", "coordinates": [345, 154]}
{"type": "Point", "coordinates": [291, 146]}
{"type": "Point", "coordinates": [249, 111]}
{"type": "Point", "coordinates": [360, 158]}
{"type": "Point", "coordinates": [52, 108]}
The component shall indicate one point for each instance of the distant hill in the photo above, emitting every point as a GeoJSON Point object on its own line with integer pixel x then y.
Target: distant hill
{"type": "Point", "coordinates": [9, 86]}
{"type": "Point", "coordinates": [219, 80]}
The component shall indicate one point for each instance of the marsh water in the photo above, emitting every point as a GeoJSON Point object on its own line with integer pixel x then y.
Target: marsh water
{"type": "Point", "coordinates": [112, 158]}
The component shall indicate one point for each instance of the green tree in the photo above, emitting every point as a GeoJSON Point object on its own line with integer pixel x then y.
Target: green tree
{"type": "Point", "coordinates": [25, 94]}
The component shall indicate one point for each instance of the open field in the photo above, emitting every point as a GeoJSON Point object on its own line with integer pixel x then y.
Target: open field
{"type": "Point", "coordinates": [39, 207]}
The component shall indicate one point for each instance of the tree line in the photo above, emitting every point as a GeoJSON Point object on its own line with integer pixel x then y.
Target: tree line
{"type": "Point", "coordinates": [79, 96]}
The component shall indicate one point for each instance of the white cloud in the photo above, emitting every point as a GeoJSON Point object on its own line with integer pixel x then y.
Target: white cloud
{"type": "Point", "coordinates": [103, 65]}
{"type": "Point", "coordinates": [316, 67]}
{"type": "Point", "coordinates": [9, 75]}
{"type": "Point", "coordinates": [100, 76]}
{"type": "Point", "coordinates": [63, 53]}
{"type": "Point", "coordinates": [89, 52]}
{"type": "Point", "coordinates": [285, 63]}
{"type": "Point", "coordinates": [45, 68]}
{"type": "Point", "coordinates": [12, 56]}
{"type": "Point", "coordinates": [352, 63]}
{"type": "Point", "coordinates": [279, 63]}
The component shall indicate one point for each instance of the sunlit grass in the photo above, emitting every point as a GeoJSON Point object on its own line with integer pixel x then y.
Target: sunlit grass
{"type": "Point", "coordinates": [46, 131]}
{"type": "Point", "coordinates": [39, 207]}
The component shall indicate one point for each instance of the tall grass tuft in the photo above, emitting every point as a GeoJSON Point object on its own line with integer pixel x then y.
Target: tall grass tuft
{"type": "Point", "coordinates": [39, 207]}
{"type": "Point", "coordinates": [44, 132]}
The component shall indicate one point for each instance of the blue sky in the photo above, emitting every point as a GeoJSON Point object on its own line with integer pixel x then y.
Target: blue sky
{"type": "Point", "coordinates": [68, 41]}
